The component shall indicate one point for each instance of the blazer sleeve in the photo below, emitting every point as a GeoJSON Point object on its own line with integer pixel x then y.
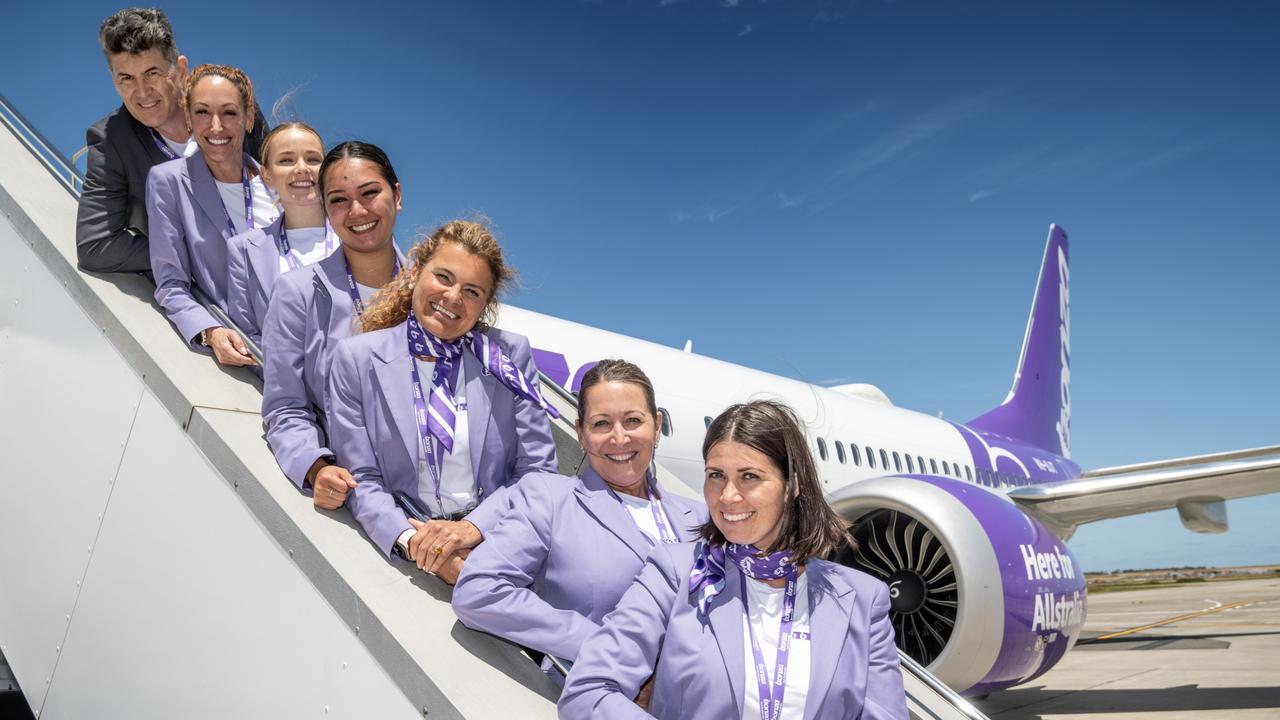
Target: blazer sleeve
{"type": "Point", "coordinates": [369, 502]}
{"type": "Point", "coordinates": [493, 593]}
{"type": "Point", "coordinates": [170, 262]}
{"type": "Point", "coordinates": [620, 656]}
{"type": "Point", "coordinates": [885, 699]}
{"type": "Point", "coordinates": [293, 427]}
{"type": "Point", "coordinates": [536, 447]}
{"type": "Point", "coordinates": [104, 242]}
{"type": "Point", "coordinates": [240, 287]}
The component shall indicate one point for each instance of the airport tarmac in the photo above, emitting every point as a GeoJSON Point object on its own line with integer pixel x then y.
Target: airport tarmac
{"type": "Point", "coordinates": [1200, 650]}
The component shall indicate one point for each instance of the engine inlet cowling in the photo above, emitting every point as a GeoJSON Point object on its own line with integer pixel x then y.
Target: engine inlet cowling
{"type": "Point", "coordinates": [979, 592]}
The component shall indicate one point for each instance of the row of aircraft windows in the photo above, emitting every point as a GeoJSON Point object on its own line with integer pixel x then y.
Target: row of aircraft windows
{"type": "Point", "coordinates": [910, 463]}
{"type": "Point", "coordinates": [989, 478]}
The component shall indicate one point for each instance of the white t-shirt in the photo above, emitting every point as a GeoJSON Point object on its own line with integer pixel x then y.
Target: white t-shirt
{"type": "Point", "coordinates": [643, 515]}
{"type": "Point", "coordinates": [457, 480]}
{"type": "Point", "coordinates": [765, 613]}
{"type": "Point", "coordinates": [264, 203]}
{"type": "Point", "coordinates": [309, 245]}
{"type": "Point", "coordinates": [366, 292]}
{"type": "Point", "coordinates": [183, 149]}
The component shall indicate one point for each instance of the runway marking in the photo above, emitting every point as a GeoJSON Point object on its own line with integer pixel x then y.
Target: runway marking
{"type": "Point", "coordinates": [1187, 616]}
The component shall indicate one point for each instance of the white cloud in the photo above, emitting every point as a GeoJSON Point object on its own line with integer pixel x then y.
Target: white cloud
{"type": "Point", "coordinates": [907, 139]}
{"type": "Point", "coordinates": [786, 202]}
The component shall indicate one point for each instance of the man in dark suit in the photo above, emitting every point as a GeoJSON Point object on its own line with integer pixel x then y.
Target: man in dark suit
{"type": "Point", "coordinates": [149, 128]}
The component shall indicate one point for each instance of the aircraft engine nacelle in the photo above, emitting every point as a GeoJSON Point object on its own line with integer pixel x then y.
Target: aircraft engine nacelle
{"type": "Point", "coordinates": [982, 594]}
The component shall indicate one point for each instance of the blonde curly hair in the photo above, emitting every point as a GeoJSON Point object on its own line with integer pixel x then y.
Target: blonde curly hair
{"type": "Point", "coordinates": [393, 303]}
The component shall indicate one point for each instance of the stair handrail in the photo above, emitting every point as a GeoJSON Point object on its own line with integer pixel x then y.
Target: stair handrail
{"type": "Point", "coordinates": [52, 158]}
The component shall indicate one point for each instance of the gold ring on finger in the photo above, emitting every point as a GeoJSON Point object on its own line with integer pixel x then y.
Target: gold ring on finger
{"type": "Point", "coordinates": [437, 549]}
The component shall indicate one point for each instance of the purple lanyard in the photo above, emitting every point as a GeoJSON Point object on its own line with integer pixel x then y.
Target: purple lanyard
{"type": "Point", "coordinates": [354, 291]}
{"type": "Point", "coordinates": [248, 200]}
{"type": "Point", "coordinates": [286, 249]}
{"type": "Point", "coordinates": [655, 506]}
{"type": "Point", "coordinates": [771, 692]}
{"type": "Point", "coordinates": [164, 148]}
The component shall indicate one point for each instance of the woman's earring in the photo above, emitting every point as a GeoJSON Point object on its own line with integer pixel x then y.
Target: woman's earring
{"type": "Point", "coordinates": [580, 461]}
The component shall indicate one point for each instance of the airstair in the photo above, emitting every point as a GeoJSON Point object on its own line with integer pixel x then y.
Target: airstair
{"type": "Point", "coordinates": [154, 562]}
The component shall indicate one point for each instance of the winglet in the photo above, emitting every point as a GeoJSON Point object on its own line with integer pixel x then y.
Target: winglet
{"type": "Point", "coordinates": [1038, 408]}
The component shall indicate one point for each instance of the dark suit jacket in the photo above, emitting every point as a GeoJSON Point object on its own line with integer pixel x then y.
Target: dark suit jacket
{"type": "Point", "coordinates": [111, 225]}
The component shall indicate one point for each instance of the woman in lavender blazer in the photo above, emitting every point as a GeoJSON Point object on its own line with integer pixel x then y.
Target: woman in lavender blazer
{"type": "Point", "coordinates": [191, 215]}
{"type": "Point", "coordinates": [314, 307]}
{"type": "Point", "coordinates": [292, 155]}
{"type": "Point", "coordinates": [566, 549]}
{"type": "Point", "coordinates": [427, 365]}
{"type": "Point", "coordinates": [703, 621]}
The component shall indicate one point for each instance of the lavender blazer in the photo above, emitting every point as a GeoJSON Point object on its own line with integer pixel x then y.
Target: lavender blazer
{"type": "Point", "coordinates": [253, 264]}
{"type": "Point", "coordinates": [557, 560]}
{"type": "Point", "coordinates": [309, 312]}
{"type": "Point", "coordinates": [375, 435]}
{"type": "Point", "coordinates": [189, 234]}
{"type": "Point", "coordinates": [853, 661]}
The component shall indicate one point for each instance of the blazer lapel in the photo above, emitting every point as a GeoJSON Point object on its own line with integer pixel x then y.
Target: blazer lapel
{"type": "Point", "coordinates": [831, 600]}
{"type": "Point", "coordinates": [681, 514]}
{"type": "Point", "coordinates": [609, 512]}
{"type": "Point", "coordinates": [331, 282]}
{"type": "Point", "coordinates": [725, 615]}
{"type": "Point", "coordinates": [393, 372]}
{"type": "Point", "coordinates": [264, 256]}
{"type": "Point", "coordinates": [204, 189]}
{"type": "Point", "coordinates": [480, 388]}
{"type": "Point", "coordinates": [143, 133]}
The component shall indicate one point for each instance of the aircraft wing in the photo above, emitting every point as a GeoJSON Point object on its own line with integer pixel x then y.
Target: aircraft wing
{"type": "Point", "coordinates": [1197, 486]}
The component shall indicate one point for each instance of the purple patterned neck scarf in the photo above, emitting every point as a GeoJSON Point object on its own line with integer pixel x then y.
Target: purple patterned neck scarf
{"type": "Point", "coordinates": [436, 411]}
{"type": "Point", "coordinates": [707, 578]}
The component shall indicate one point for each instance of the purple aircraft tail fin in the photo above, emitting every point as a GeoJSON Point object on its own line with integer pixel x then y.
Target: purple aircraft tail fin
{"type": "Point", "coordinates": [1038, 409]}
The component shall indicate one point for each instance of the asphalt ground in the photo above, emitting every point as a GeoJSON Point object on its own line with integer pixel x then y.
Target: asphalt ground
{"type": "Point", "coordinates": [1201, 650]}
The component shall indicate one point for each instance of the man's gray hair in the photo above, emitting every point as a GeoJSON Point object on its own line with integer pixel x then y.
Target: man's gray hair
{"type": "Point", "coordinates": [136, 30]}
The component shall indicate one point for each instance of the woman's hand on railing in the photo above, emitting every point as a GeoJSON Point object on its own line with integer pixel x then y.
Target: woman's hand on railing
{"type": "Point", "coordinates": [228, 348]}
{"type": "Point", "coordinates": [452, 567]}
{"type": "Point", "coordinates": [330, 484]}
{"type": "Point", "coordinates": [436, 542]}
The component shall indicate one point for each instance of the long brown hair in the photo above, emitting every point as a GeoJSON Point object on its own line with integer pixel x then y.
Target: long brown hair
{"type": "Point", "coordinates": [809, 528]}
{"type": "Point", "coordinates": [393, 303]}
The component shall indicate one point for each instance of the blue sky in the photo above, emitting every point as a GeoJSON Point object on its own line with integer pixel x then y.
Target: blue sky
{"type": "Point", "coordinates": [839, 191]}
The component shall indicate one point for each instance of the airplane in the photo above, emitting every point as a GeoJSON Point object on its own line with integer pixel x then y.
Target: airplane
{"type": "Point", "coordinates": [966, 523]}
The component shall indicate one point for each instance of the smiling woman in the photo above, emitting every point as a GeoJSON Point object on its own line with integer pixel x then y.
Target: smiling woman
{"type": "Point", "coordinates": [197, 203]}
{"type": "Point", "coordinates": [568, 547]}
{"type": "Point", "coordinates": [291, 157]}
{"type": "Point", "coordinates": [435, 411]}
{"type": "Point", "coordinates": [314, 307]}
